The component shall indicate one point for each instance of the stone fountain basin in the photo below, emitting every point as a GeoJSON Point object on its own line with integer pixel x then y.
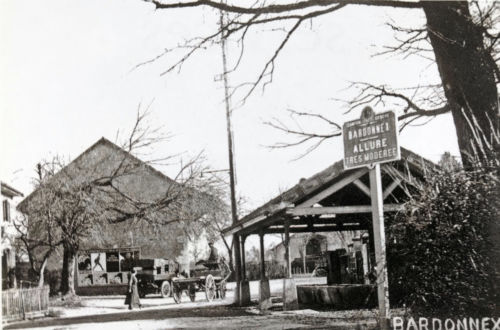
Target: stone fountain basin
{"type": "Point", "coordinates": [338, 296]}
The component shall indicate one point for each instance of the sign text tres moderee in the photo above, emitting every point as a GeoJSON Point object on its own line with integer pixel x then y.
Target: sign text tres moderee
{"type": "Point", "coordinates": [371, 139]}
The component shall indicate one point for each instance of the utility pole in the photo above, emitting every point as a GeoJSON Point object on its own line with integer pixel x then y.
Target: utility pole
{"type": "Point", "coordinates": [234, 214]}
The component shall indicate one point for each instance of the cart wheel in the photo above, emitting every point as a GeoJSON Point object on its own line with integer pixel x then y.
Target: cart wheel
{"type": "Point", "coordinates": [192, 292]}
{"type": "Point", "coordinates": [176, 293]}
{"type": "Point", "coordinates": [210, 288]}
{"type": "Point", "coordinates": [222, 290]}
{"type": "Point", "coordinates": [165, 289]}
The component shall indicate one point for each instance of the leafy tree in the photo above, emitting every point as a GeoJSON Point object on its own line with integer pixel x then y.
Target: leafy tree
{"type": "Point", "coordinates": [440, 248]}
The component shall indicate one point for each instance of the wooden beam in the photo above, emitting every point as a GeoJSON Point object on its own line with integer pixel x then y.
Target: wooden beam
{"type": "Point", "coordinates": [319, 225]}
{"type": "Point", "coordinates": [334, 188]}
{"type": "Point", "coordinates": [397, 174]}
{"type": "Point", "coordinates": [315, 229]}
{"type": "Point", "coordinates": [352, 209]}
{"type": "Point", "coordinates": [362, 187]}
{"type": "Point", "coordinates": [328, 221]}
{"type": "Point", "coordinates": [234, 229]}
{"type": "Point", "coordinates": [392, 186]}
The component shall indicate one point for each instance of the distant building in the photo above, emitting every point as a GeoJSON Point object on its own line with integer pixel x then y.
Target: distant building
{"type": "Point", "coordinates": [117, 241]}
{"type": "Point", "coordinates": [10, 198]}
{"type": "Point", "coordinates": [306, 248]}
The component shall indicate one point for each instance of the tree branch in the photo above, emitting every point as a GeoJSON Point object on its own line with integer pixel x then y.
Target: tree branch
{"type": "Point", "coordinates": [275, 9]}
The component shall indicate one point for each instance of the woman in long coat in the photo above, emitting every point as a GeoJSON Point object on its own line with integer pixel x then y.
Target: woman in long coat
{"type": "Point", "coordinates": [132, 299]}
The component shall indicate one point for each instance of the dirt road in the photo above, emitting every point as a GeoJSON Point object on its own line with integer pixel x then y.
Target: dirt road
{"type": "Point", "coordinates": [109, 312]}
{"type": "Point", "coordinates": [209, 317]}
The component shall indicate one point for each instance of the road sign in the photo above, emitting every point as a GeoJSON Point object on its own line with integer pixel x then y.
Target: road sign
{"type": "Point", "coordinates": [369, 141]}
{"type": "Point", "coordinates": [372, 139]}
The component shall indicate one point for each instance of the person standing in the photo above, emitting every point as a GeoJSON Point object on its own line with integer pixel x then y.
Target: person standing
{"type": "Point", "coordinates": [132, 298]}
{"type": "Point", "coordinates": [213, 257]}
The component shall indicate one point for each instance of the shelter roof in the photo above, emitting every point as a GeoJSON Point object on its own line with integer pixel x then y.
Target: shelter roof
{"type": "Point", "coordinates": [269, 213]}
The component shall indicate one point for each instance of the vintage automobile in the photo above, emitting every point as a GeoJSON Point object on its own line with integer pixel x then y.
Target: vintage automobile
{"type": "Point", "coordinates": [206, 276]}
{"type": "Point", "coordinates": [155, 276]}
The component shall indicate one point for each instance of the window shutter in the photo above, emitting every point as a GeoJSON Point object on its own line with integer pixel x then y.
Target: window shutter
{"type": "Point", "coordinates": [6, 210]}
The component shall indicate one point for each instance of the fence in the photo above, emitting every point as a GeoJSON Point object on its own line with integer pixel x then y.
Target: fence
{"type": "Point", "coordinates": [24, 303]}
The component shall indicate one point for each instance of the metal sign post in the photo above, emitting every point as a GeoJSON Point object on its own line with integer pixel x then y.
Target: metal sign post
{"type": "Point", "coordinates": [369, 141]}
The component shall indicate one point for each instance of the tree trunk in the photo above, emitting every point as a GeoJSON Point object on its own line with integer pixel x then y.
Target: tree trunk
{"type": "Point", "coordinates": [229, 252]}
{"type": "Point", "coordinates": [467, 71]}
{"type": "Point", "coordinates": [41, 278]}
{"type": "Point", "coordinates": [41, 271]}
{"type": "Point", "coordinates": [231, 266]}
{"type": "Point", "coordinates": [68, 271]}
{"type": "Point", "coordinates": [304, 259]}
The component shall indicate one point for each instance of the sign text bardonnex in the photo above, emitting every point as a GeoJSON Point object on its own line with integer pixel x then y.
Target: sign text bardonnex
{"type": "Point", "coordinates": [371, 139]}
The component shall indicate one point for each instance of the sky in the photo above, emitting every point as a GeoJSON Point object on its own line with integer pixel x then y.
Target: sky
{"type": "Point", "coordinates": [68, 77]}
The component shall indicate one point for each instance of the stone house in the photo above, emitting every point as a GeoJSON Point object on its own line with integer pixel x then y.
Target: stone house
{"type": "Point", "coordinates": [307, 248]}
{"type": "Point", "coordinates": [10, 198]}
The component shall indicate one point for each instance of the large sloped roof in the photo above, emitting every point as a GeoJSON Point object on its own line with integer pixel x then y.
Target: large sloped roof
{"type": "Point", "coordinates": [9, 191]}
{"type": "Point", "coordinates": [113, 147]}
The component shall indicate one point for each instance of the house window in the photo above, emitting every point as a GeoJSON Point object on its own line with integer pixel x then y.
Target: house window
{"type": "Point", "coordinates": [313, 247]}
{"type": "Point", "coordinates": [6, 210]}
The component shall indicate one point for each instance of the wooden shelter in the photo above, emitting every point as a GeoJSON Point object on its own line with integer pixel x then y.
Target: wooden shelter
{"type": "Point", "coordinates": [334, 199]}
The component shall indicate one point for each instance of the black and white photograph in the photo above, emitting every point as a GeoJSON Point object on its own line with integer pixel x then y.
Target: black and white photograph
{"type": "Point", "coordinates": [263, 164]}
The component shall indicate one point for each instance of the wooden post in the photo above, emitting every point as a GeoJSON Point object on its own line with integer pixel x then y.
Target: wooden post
{"type": "Point", "coordinates": [379, 240]}
{"type": "Point", "coordinates": [39, 293]}
{"type": "Point", "coordinates": [22, 303]}
{"type": "Point", "coordinates": [287, 250]}
{"type": "Point", "coordinates": [262, 260]}
{"type": "Point", "coordinates": [243, 266]}
{"type": "Point", "coordinates": [290, 301]}
{"type": "Point", "coordinates": [265, 301]}
{"type": "Point", "coordinates": [237, 268]}
{"type": "Point", "coordinates": [244, 284]}
{"type": "Point", "coordinates": [6, 303]}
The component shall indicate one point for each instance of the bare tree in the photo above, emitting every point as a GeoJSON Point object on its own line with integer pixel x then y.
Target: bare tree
{"type": "Point", "coordinates": [460, 37]}
{"type": "Point", "coordinates": [71, 200]}
{"type": "Point", "coordinates": [38, 249]}
{"type": "Point", "coordinates": [212, 184]}
{"type": "Point", "coordinates": [303, 239]}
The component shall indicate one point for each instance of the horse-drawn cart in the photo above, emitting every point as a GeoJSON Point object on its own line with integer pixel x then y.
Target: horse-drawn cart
{"type": "Point", "coordinates": [206, 276]}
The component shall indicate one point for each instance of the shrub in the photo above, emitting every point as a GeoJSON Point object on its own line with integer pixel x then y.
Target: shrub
{"type": "Point", "coordinates": [440, 249]}
{"type": "Point", "coordinates": [274, 270]}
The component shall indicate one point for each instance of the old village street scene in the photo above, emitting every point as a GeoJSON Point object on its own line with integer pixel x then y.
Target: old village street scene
{"type": "Point", "coordinates": [234, 164]}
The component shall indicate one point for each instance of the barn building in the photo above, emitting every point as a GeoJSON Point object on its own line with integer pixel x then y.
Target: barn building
{"type": "Point", "coordinates": [101, 263]}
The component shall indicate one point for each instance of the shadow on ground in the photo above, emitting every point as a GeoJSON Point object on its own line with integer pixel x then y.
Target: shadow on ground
{"type": "Point", "coordinates": [153, 314]}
